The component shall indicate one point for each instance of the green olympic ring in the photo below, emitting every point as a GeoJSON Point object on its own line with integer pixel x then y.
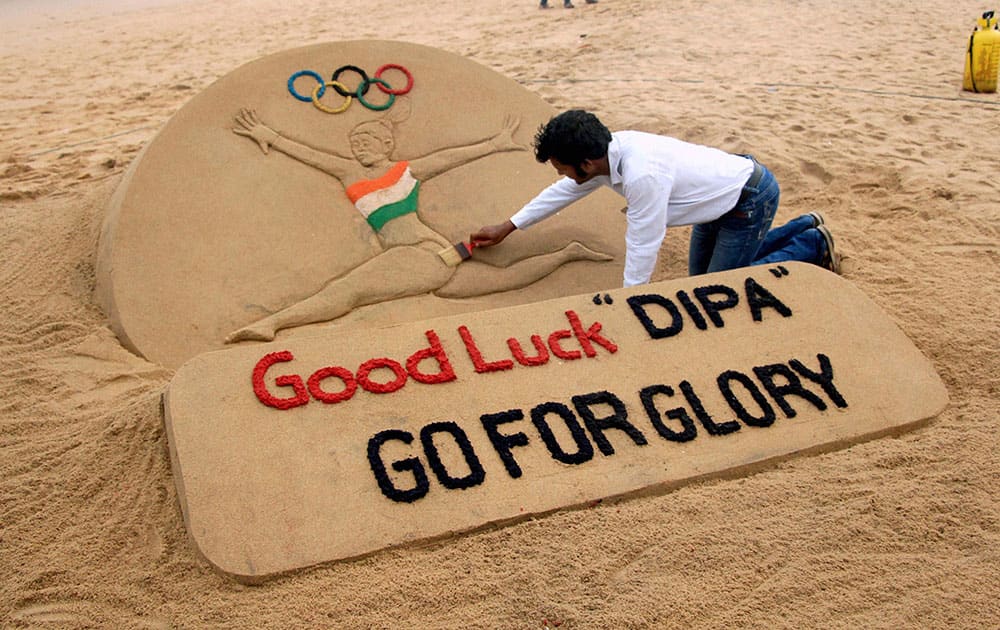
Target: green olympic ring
{"type": "Point", "coordinates": [364, 88]}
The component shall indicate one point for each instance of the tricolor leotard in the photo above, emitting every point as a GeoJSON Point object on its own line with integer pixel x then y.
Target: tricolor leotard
{"type": "Point", "coordinates": [383, 199]}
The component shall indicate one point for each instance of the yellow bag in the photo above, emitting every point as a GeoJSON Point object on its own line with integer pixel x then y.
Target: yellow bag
{"type": "Point", "coordinates": [982, 56]}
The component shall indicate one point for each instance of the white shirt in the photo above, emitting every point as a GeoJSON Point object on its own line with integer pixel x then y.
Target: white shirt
{"type": "Point", "coordinates": [666, 182]}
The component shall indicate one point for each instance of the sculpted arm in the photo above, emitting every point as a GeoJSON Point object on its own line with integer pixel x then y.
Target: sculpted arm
{"type": "Point", "coordinates": [428, 166]}
{"type": "Point", "coordinates": [248, 124]}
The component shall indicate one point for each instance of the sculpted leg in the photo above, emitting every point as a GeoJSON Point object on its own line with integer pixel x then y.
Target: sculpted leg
{"type": "Point", "coordinates": [475, 278]}
{"type": "Point", "coordinates": [397, 272]}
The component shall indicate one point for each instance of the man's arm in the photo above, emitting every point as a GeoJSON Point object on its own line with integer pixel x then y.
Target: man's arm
{"type": "Point", "coordinates": [647, 225]}
{"type": "Point", "coordinates": [548, 202]}
{"type": "Point", "coordinates": [554, 198]}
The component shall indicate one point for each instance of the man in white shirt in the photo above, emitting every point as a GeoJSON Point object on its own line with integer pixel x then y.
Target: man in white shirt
{"type": "Point", "coordinates": [730, 199]}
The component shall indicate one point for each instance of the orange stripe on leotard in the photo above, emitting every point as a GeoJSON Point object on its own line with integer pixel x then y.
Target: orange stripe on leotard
{"type": "Point", "coordinates": [360, 189]}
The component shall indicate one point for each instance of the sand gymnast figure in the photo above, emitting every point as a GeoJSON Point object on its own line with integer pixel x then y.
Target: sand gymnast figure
{"type": "Point", "coordinates": [385, 192]}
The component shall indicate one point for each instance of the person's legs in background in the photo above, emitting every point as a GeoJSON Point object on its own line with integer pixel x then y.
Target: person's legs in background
{"type": "Point", "coordinates": [814, 245]}
{"type": "Point", "coordinates": [780, 236]}
{"type": "Point", "coordinates": [701, 248]}
{"type": "Point", "coordinates": [733, 240]}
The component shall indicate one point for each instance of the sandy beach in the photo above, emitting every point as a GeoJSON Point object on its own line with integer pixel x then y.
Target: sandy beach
{"type": "Point", "coordinates": [855, 106]}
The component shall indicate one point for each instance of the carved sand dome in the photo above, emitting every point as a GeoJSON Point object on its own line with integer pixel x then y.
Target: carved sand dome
{"type": "Point", "coordinates": [207, 233]}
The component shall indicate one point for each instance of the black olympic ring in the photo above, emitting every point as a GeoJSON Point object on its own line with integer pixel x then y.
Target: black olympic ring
{"type": "Point", "coordinates": [336, 79]}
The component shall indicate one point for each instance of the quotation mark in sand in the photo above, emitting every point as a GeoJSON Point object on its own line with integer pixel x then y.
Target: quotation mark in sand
{"type": "Point", "coordinates": [597, 299]}
{"type": "Point", "coordinates": [779, 271]}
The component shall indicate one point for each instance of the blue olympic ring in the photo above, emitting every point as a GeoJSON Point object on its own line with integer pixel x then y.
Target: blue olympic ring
{"type": "Point", "coordinates": [306, 73]}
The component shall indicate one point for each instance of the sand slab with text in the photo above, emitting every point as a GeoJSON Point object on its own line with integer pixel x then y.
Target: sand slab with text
{"type": "Point", "coordinates": [330, 446]}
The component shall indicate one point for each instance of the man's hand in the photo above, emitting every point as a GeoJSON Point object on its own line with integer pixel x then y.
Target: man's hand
{"type": "Point", "coordinates": [251, 127]}
{"type": "Point", "coordinates": [491, 234]}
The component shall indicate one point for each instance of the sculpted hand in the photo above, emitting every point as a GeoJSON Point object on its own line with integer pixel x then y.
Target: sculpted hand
{"type": "Point", "coordinates": [249, 126]}
{"type": "Point", "coordinates": [491, 234]}
{"type": "Point", "coordinates": [504, 141]}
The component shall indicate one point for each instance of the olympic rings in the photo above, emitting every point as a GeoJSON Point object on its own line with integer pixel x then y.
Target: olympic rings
{"type": "Point", "coordinates": [380, 83]}
{"type": "Point", "coordinates": [340, 70]}
{"type": "Point", "coordinates": [359, 93]}
{"type": "Point", "coordinates": [305, 73]}
{"type": "Point", "coordinates": [409, 79]}
{"type": "Point", "coordinates": [324, 108]}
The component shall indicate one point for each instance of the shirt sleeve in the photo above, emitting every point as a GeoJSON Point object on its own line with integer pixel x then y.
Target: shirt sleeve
{"type": "Point", "coordinates": [646, 227]}
{"type": "Point", "coordinates": [557, 196]}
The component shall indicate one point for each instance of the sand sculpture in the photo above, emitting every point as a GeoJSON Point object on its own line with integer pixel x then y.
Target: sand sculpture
{"type": "Point", "coordinates": [451, 424]}
{"type": "Point", "coordinates": [385, 192]}
{"type": "Point", "coordinates": [305, 228]}
{"type": "Point", "coordinates": [256, 210]}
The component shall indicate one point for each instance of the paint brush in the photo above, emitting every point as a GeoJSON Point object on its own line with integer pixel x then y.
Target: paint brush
{"type": "Point", "coordinates": [456, 253]}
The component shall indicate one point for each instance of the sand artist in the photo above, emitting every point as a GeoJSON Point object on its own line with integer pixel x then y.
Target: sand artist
{"type": "Point", "coordinates": [730, 199]}
{"type": "Point", "coordinates": [385, 193]}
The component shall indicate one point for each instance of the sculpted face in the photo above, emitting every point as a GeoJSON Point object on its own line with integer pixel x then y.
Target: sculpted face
{"type": "Point", "coordinates": [370, 148]}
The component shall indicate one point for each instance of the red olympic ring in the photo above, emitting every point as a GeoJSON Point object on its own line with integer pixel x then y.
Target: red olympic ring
{"type": "Point", "coordinates": [397, 92]}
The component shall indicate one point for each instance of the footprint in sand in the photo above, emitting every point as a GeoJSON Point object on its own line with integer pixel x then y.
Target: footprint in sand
{"type": "Point", "coordinates": [814, 170]}
{"type": "Point", "coordinates": [966, 248]}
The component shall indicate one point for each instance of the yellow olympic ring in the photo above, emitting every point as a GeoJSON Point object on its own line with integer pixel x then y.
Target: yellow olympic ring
{"type": "Point", "coordinates": [324, 108]}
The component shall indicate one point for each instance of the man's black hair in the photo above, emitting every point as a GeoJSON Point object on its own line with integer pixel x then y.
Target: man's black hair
{"type": "Point", "coordinates": [572, 137]}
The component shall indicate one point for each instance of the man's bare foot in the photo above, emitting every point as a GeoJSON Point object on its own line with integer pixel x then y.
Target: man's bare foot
{"type": "Point", "coordinates": [253, 332]}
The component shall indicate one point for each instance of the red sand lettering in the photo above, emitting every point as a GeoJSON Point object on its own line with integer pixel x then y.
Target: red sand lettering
{"type": "Point", "coordinates": [350, 381]}
{"type": "Point", "coordinates": [586, 338]}
{"type": "Point", "coordinates": [317, 387]}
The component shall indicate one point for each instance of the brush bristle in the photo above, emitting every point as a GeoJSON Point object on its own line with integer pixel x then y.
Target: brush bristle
{"type": "Point", "coordinates": [455, 254]}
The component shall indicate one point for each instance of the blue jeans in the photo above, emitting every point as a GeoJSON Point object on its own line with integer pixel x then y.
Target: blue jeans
{"type": "Point", "coordinates": [796, 240]}
{"type": "Point", "coordinates": [732, 240]}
